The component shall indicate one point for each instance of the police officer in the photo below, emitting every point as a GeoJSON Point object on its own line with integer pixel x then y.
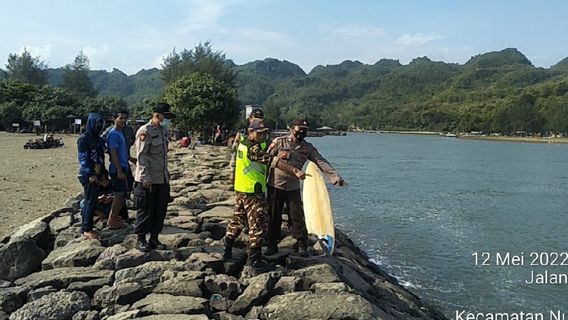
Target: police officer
{"type": "Point", "coordinates": [151, 176]}
{"type": "Point", "coordinates": [284, 188]}
{"type": "Point", "coordinates": [251, 168]}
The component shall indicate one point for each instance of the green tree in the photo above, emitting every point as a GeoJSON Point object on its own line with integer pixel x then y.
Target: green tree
{"type": "Point", "coordinates": [76, 79]}
{"type": "Point", "coordinates": [26, 68]}
{"type": "Point", "coordinates": [201, 59]}
{"type": "Point", "coordinates": [201, 102]}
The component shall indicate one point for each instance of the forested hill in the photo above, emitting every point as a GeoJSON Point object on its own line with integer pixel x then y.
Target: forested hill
{"type": "Point", "coordinates": [492, 92]}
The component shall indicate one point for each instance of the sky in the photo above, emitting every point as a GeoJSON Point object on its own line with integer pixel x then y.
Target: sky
{"type": "Point", "coordinates": [131, 35]}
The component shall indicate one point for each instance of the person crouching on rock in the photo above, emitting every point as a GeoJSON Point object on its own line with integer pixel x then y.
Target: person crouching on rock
{"type": "Point", "coordinates": [251, 168]}
{"type": "Point", "coordinates": [90, 150]}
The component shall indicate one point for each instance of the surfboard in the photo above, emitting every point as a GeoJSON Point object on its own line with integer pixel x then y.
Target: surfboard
{"type": "Point", "coordinates": [317, 208]}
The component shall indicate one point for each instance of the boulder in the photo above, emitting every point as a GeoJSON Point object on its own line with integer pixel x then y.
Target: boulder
{"type": "Point", "coordinates": [306, 305]}
{"type": "Point", "coordinates": [12, 298]}
{"type": "Point", "coordinates": [224, 315]}
{"type": "Point", "coordinates": [6, 284]}
{"type": "Point", "coordinates": [111, 253]}
{"type": "Point", "coordinates": [38, 231]}
{"type": "Point", "coordinates": [216, 226]}
{"type": "Point", "coordinates": [111, 237]}
{"type": "Point", "coordinates": [89, 287]}
{"type": "Point", "coordinates": [66, 236]}
{"type": "Point", "coordinates": [123, 293]}
{"type": "Point", "coordinates": [40, 292]}
{"type": "Point", "coordinates": [175, 317]}
{"type": "Point", "coordinates": [20, 257]}
{"type": "Point", "coordinates": [332, 287]}
{"type": "Point", "coordinates": [131, 314]}
{"type": "Point", "coordinates": [289, 284]}
{"type": "Point", "coordinates": [202, 261]}
{"type": "Point", "coordinates": [59, 224]}
{"type": "Point", "coordinates": [135, 257]}
{"type": "Point", "coordinates": [185, 252]}
{"type": "Point", "coordinates": [60, 305]}
{"type": "Point", "coordinates": [60, 278]}
{"type": "Point", "coordinates": [179, 287]}
{"type": "Point", "coordinates": [259, 290]}
{"type": "Point", "coordinates": [224, 285]}
{"type": "Point", "coordinates": [221, 212]}
{"type": "Point", "coordinates": [177, 240]}
{"type": "Point", "coordinates": [168, 304]}
{"type": "Point", "coordinates": [86, 315]}
{"type": "Point", "coordinates": [76, 254]}
{"type": "Point", "coordinates": [319, 273]}
{"type": "Point", "coordinates": [149, 274]}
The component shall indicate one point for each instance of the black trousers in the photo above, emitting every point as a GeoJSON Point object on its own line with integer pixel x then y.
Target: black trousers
{"type": "Point", "coordinates": [152, 206]}
{"type": "Point", "coordinates": [293, 200]}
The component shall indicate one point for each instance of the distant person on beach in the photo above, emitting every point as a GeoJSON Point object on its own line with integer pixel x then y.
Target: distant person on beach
{"type": "Point", "coordinates": [151, 187]}
{"type": "Point", "coordinates": [284, 188]}
{"type": "Point", "coordinates": [119, 167]}
{"type": "Point", "coordinates": [251, 168]}
{"type": "Point", "coordinates": [92, 172]}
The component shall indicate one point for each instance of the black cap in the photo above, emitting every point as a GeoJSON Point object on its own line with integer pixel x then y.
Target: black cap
{"type": "Point", "coordinates": [256, 114]}
{"type": "Point", "coordinates": [257, 125]}
{"type": "Point", "coordinates": [164, 109]}
{"type": "Point", "coordinates": [301, 122]}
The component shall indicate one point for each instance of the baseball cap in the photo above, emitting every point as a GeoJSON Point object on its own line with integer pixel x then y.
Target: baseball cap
{"type": "Point", "coordinates": [257, 114]}
{"type": "Point", "coordinates": [257, 125]}
{"type": "Point", "coordinates": [164, 109]}
{"type": "Point", "coordinates": [301, 122]}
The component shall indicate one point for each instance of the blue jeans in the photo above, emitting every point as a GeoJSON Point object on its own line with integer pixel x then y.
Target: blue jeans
{"type": "Point", "coordinates": [91, 193]}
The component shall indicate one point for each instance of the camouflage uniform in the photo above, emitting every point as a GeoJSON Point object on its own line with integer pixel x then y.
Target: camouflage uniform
{"type": "Point", "coordinates": [251, 208]}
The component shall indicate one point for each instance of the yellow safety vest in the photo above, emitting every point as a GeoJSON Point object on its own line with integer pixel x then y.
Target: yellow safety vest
{"type": "Point", "coordinates": [249, 173]}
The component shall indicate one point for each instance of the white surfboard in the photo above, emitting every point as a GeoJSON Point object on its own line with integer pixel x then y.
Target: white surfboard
{"type": "Point", "coordinates": [317, 208]}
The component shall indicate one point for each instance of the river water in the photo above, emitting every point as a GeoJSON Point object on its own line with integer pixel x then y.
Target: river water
{"type": "Point", "coordinates": [422, 206]}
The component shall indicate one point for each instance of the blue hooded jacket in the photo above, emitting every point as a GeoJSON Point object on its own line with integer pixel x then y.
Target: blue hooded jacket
{"type": "Point", "coordinates": [91, 147]}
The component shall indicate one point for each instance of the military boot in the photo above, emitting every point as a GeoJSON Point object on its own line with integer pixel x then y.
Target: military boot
{"type": "Point", "coordinates": [228, 249]}
{"type": "Point", "coordinates": [258, 266]}
{"type": "Point", "coordinates": [271, 249]}
{"type": "Point", "coordinates": [303, 247]}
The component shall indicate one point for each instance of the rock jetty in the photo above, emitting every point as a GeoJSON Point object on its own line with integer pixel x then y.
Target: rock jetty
{"type": "Point", "coordinates": [47, 271]}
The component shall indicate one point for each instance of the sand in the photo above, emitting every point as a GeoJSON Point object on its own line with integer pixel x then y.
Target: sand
{"type": "Point", "coordinates": [34, 182]}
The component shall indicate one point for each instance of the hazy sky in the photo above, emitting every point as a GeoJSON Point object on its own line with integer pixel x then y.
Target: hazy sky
{"type": "Point", "coordinates": [135, 34]}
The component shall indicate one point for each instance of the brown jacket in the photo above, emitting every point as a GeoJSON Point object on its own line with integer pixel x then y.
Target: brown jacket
{"type": "Point", "coordinates": [296, 154]}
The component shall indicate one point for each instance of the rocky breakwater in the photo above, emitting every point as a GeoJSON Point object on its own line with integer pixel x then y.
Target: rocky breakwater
{"type": "Point", "coordinates": [48, 271]}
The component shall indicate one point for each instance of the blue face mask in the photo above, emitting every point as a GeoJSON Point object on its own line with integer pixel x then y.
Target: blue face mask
{"type": "Point", "coordinates": [166, 123]}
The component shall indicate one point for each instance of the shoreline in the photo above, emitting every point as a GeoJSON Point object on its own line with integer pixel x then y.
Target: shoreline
{"type": "Point", "coordinates": [547, 140]}
{"type": "Point", "coordinates": [114, 280]}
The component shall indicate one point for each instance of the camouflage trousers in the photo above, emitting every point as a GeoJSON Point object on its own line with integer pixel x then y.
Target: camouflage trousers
{"type": "Point", "coordinates": [251, 209]}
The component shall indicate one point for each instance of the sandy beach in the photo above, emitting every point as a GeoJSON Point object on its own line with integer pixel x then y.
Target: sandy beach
{"type": "Point", "coordinates": [34, 182]}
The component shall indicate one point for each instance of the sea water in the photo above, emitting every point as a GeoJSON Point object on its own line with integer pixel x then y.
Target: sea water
{"type": "Point", "coordinates": [451, 218]}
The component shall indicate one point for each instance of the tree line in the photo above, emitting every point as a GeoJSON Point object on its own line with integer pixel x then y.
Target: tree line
{"type": "Point", "coordinates": [493, 92]}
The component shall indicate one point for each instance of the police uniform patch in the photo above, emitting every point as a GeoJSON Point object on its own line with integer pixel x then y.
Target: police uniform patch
{"type": "Point", "coordinates": [143, 136]}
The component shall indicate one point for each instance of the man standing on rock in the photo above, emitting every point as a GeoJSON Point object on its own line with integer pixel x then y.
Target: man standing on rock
{"type": "Point", "coordinates": [251, 168]}
{"type": "Point", "coordinates": [92, 172]}
{"type": "Point", "coordinates": [285, 188]}
{"type": "Point", "coordinates": [151, 187]}
{"type": "Point", "coordinates": [119, 167]}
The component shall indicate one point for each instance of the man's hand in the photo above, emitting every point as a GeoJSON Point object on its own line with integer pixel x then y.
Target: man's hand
{"type": "Point", "coordinates": [121, 176]}
{"type": "Point", "coordinates": [284, 155]}
{"type": "Point", "coordinates": [300, 174]}
{"type": "Point", "coordinates": [147, 184]}
{"type": "Point", "coordinates": [93, 179]}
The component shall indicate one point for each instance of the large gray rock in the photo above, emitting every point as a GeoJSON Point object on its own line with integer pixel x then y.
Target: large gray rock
{"type": "Point", "coordinates": [175, 317]}
{"type": "Point", "coordinates": [36, 294]}
{"type": "Point", "coordinates": [218, 212]}
{"type": "Point", "coordinates": [76, 254]}
{"type": "Point", "coordinates": [148, 274]}
{"type": "Point", "coordinates": [89, 287]}
{"type": "Point", "coordinates": [306, 305]}
{"type": "Point", "coordinates": [319, 273]}
{"type": "Point", "coordinates": [59, 224]}
{"type": "Point", "coordinates": [20, 257]}
{"type": "Point", "coordinates": [177, 240]}
{"type": "Point", "coordinates": [256, 294]}
{"type": "Point", "coordinates": [36, 230]}
{"type": "Point", "coordinates": [165, 303]}
{"type": "Point", "coordinates": [288, 284]}
{"type": "Point", "coordinates": [202, 261]}
{"type": "Point", "coordinates": [66, 236]}
{"type": "Point", "coordinates": [111, 253]}
{"type": "Point", "coordinates": [60, 305]}
{"type": "Point", "coordinates": [222, 284]}
{"type": "Point", "coordinates": [333, 287]}
{"type": "Point", "coordinates": [136, 257]}
{"type": "Point", "coordinates": [60, 278]}
{"type": "Point", "coordinates": [12, 298]}
{"type": "Point", "coordinates": [216, 226]}
{"type": "Point", "coordinates": [111, 237]}
{"type": "Point", "coordinates": [123, 293]}
{"type": "Point", "coordinates": [87, 315]}
{"type": "Point", "coordinates": [175, 287]}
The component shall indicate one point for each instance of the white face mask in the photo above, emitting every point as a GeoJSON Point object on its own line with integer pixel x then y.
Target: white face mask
{"type": "Point", "coordinates": [166, 123]}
